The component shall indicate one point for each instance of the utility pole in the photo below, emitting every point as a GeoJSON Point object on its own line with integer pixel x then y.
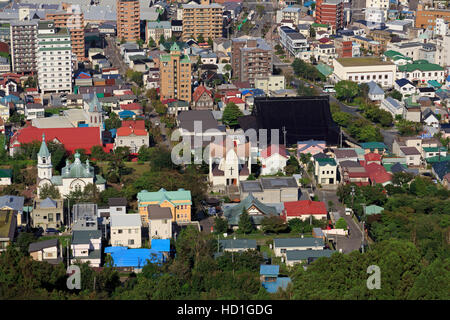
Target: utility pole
{"type": "Point", "coordinates": [284, 134]}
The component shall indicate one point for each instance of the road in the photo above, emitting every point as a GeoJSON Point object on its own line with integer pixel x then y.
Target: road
{"type": "Point", "coordinates": [354, 240]}
{"type": "Point", "coordinates": [112, 52]}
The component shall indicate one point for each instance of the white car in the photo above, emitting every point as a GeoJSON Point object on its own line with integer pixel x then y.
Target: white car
{"type": "Point", "coordinates": [348, 211]}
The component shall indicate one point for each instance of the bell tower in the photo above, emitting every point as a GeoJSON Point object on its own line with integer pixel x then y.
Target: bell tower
{"type": "Point", "coordinates": [44, 164]}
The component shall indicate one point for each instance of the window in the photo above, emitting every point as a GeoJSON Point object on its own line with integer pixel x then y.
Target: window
{"type": "Point", "coordinates": [131, 242]}
{"type": "Point", "coordinates": [119, 231]}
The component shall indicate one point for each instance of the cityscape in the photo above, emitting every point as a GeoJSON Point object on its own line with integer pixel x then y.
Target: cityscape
{"type": "Point", "coordinates": [224, 150]}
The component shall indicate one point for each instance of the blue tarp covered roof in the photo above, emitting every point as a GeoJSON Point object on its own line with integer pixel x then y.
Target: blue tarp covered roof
{"type": "Point", "coordinates": [126, 114]}
{"type": "Point", "coordinates": [114, 249]}
{"type": "Point", "coordinates": [269, 269]}
{"type": "Point", "coordinates": [136, 258]}
{"type": "Point", "coordinates": [272, 287]}
{"type": "Point", "coordinates": [162, 245]}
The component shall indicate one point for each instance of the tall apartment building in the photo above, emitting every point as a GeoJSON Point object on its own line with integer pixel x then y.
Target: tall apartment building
{"type": "Point", "coordinates": [251, 58]}
{"type": "Point", "coordinates": [204, 19]}
{"type": "Point", "coordinates": [23, 45]}
{"type": "Point", "coordinates": [175, 74]}
{"type": "Point", "coordinates": [426, 17]}
{"type": "Point", "coordinates": [54, 58]}
{"type": "Point", "coordinates": [73, 19]}
{"type": "Point", "coordinates": [330, 12]}
{"type": "Point", "coordinates": [128, 20]}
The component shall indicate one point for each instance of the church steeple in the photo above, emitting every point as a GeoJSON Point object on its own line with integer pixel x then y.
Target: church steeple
{"type": "Point", "coordinates": [44, 161]}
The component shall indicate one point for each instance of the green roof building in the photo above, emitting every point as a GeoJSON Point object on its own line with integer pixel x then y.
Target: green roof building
{"type": "Point", "coordinates": [373, 209]}
{"type": "Point", "coordinates": [255, 208]}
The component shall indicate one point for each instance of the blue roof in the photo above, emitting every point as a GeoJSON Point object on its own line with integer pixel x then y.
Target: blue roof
{"type": "Point", "coordinates": [448, 78]}
{"type": "Point", "coordinates": [113, 132]}
{"type": "Point", "coordinates": [403, 82]}
{"type": "Point", "coordinates": [162, 245]}
{"type": "Point", "coordinates": [86, 74]}
{"type": "Point", "coordinates": [115, 249]}
{"type": "Point", "coordinates": [126, 114]}
{"type": "Point", "coordinates": [272, 287]}
{"type": "Point", "coordinates": [136, 258]}
{"type": "Point", "coordinates": [110, 76]}
{"type": "Point", "coordinates": [83, 125]}
{"type": "Point", "coordinates": [13, 202]}
{"type": "Point", "coordinates": [374, 88]}
{"type": "Point", "coordinates": [269, 269]}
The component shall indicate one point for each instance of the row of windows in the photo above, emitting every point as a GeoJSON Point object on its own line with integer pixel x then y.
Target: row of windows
{"type": "Point", "coordinates": [374, 77]}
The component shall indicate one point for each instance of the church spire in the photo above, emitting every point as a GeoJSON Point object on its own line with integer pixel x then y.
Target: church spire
{"type": "Point", "coordinates": [43, 151]}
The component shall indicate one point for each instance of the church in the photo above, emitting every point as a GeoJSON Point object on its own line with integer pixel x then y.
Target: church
{"type": "Point", "coordinates": [75, 176]}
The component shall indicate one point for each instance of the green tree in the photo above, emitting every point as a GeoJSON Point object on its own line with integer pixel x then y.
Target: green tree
{"type": "Point", "coordinates": [341, 224]}
{"type": "Point", "coordinates": [312, 32]}
{"type": "Point", "coordinates": [245, 224]}
{"type": "Point", "coordinates": [98, 153]}
{"type": "Point", "coordinates": [231, 113]}
{"type": "Point", "coordinates": [23, 241]}
{"type": "Point", "coordinates": [113, 122]}
{"type": "Point", "coordinates": [292, 166]}
{"type": "Point", "coordinates": [396, 95]}
{"type": "Point", "coordinates": [273, 224]}
{"type": "Point", "coordinates": [151, 43]}
{"type": "Point", "coordinates": [346, 90]}
{"type": "Point", "coordinates": [200, 39]}
{"type": "Point", "coordinates": [49, 191]}
{"type": "Point", "coordinates": [220, 225]}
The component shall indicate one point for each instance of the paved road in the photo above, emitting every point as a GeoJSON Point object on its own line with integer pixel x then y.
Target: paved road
{"type": "Point", "coordinates": [113, 54]}
{"type": "Point", "coordinates": [354, 240]}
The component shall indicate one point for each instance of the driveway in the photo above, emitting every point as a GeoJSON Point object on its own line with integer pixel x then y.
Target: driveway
{"type": "Point", "coordinates": [353, 241]}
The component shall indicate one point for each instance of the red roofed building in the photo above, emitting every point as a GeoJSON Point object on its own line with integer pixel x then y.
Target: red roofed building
{"type": "Point", "coordinates": [72, 138]}
{"type": "Point", "coordinates": [237, 101]}
{"type": "Point", "coordinates": [378, 174]}
{"type": "Point", "coordinates": [202, 99]}
{"type": "Point", "coordinates": [303, 209]}
{"type": "Point", "coordinates": [135, 107]}
{"type": "Point", "coordinates": [273, 159]}
{"type": "Point", "coordinates": [372, 158]}
{"type": "Point", "coordinates": [132, 134]}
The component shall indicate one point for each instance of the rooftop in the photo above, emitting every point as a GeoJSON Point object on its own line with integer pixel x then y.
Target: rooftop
{"type": "Point", "coordinates": [362, 61]}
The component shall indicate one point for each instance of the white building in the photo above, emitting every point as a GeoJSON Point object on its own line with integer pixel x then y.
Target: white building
{"type": "Point", "coordinates": [160, 222]}
{"type": "Point", "coordinates": [54, 58]}
{"type": "Point", "coordinates": [273, 159]}
{"type": "Point", "coordinates": [74, 176]}
{"type": "Point", "coordinates": [363, 70]}
{"type": "Point", "coordinates": [289, 13]}
{"type": "Point", "coordinates": [293, 41]}
{"type": "Point", "coordinates": [86, 246]}
{"type": "Point", "coordinates": [375, 17]}
{"type": "Point", "coordinates": [441, 27]}
{"type": "Point", "coordinates": [126, 230]}
{"type": "Point", "coordinates": [442, 56]}
{"type": "Point", "coordinates": [393, 106]}
{"type": "Point", "coordinates": [405, 87]}
{"type": "Point", "coordinates": [381, 4]}
{"type": "Point", "coordinates": [272, 82]}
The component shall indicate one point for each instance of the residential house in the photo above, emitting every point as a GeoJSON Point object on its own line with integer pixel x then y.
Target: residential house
{"type": "Point", "coordinates": [345, 155]}
{"type": "Point", "coordinates": [179, 202]}
{"type": "Point", "coordinates": [273, 159]}
{"type": "Point", "coordinates": [376, 94]}
{"type": "Point", "coordinates": [281, 246]}
{"type": "Point", "coordinates": [132, 134]}
{"type": "Point", "coordinates": [160, 222]}
{"type": "Point", "coordinates": [378, 174]}
{"type": "Point", "coordinates": [198, 125]}
{"type": "Point", "coordinates": [5, 177]}
{"type": "Point", "coordinates": [412, 155]}
{"type": "Point", "coordinates": [237, 245]}
{"type": "Point", "coordinates": [405, 87]}
{"type": "Point", "coordinates": [135, 259]}
{"type": "Point", "coordinates": [377, 147]}
{"type": "Point", "coordinates": [126, 230]}
{"type": "Point", "coordinates": [430, 118]}
{"type": "Point", "coordinates": [202, 99]}
{"type": "Point", "coordinates": [393, 106]}
{"type": "Point", "coordinates": [441, 171]}
{"type": "Point", "coordinates": [8, 226]}
{"type": "Point", "coordinates": [304, 210]}
{"type": "Point", "coordinates": [86, 246]}
{"type": "Point", "coordinates": [270, 190]}
{"type": "Point", "coordinates": [353, 172]}
{"type": "Point", "coordinates": [47, 250]}
{"type": "Point", "coordinates": [34, 110]}
{"type": "Point", "coordinates": [270, 279]}
{"type": "Point", "coordinates": [15, 204]}
{"type": "Point", "coordinates": [435, 152]}
{"type": "Point", "coordinates": [47, 213]}
{"type": "Point", "coordinates": [325, 171]}
{"type": "Point", "coordinates": [421, 71]}
{"type": "Point", "coordinates": [255, 208]}
{"type": "Point", "coordinates": [426, 92]}
{"type": "Point", "coordinates": [177, 106]}
{"type": "Point", "coordinates": [372, 158]}
{"type": "Point", "coordinates": [310, 146]}
{"type": "Point", "coordinates": [294, 257]}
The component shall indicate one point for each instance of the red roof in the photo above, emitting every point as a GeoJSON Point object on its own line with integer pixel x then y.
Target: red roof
{"type": "Point", "coordinates": [72, 138]}
{"type": "Point", "coordinates": [304, 207]}
{"type": "Point", "coordinates": [233, 93]}
{"type": "Point", "coordinates": [199, 91]}
{"type": "Point", "coordinates": [372, 157]}
{"type": "Point", "coordinates": [136, 127]}
{"type": "Point", "coordinates": [324, 40]}
{"type": "Point", "coordinates": [131, 106]}
{"type": "Point", "coordinates": [377, 173]}
{"type": "Point", "coordinates": [272, 149]}
{"type": "Point", "coordinates": [167, 101]}
{"type": "Point", "coordinates": [31, 90]}
{"type": "Point", "coordinates": [108, 147]}
{"type": "Point", "coordinates": [235, 100]}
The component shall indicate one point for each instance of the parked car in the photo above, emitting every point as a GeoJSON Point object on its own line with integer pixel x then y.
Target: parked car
{"type": "Point", "coordinates": [51, 231]}
{"type": "Point", "coordinates": [348, 211]}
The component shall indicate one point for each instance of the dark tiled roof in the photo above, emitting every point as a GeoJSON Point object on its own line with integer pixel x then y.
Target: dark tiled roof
{"type": "Point", "coordinates": [117, 202]}
{"type": "Point", "coordinates": [36, 246]}
{"type": "Point", "coordinates": [157, 212]}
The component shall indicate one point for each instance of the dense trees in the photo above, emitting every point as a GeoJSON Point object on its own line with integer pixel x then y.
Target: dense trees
{"type": "Point", "coordinates": [50, 191]}
{"type": "Point", "coordinates": [273, 224]}
{"type": "Point", "coordinates": [346, 90]}
{"type": "Point", "coordinates": [307, 71]}
{"type": "Point", "coordinates": [231, 113]}
{"type": "Point", "coordinates": [245, 223]}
